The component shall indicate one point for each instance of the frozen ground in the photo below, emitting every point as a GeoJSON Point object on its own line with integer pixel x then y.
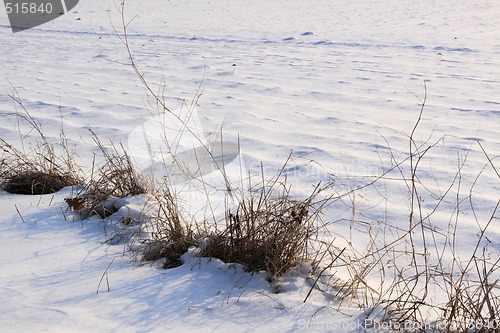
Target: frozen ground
{"type": "Point", "coordinates": [336, 82]}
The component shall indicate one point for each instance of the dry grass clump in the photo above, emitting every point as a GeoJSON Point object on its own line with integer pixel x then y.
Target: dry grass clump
{"type": "Point", "coordinates": [35, 182]}
{"type": "Point", "coordinates": [171, 236]}
{"type": "Point", "coordinates": [116, 178]}
{"type": "Point", "coordinates": [474, 298]}
{"type": "Point", "coordinates": [35, 168]}
{"type": "Point", "coordinates": [268, 230]}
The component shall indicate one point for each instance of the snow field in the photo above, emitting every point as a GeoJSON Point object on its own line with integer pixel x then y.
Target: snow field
{"type": "Point", "coordinates": [334, 82]}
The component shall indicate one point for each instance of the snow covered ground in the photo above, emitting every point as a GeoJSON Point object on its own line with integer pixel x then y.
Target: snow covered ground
{"type": "Point", "coordinates": [337, 82]}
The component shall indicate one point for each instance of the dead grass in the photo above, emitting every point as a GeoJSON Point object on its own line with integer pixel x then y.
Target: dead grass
{"type": "Point", "coordinates": [269, 229]}
{"type": "Point", "coordinates": [425, 280]}
{"type": "Point", "coordinates": [37, 167]}
{"type": "Point", "coordinates": [171, 235]}
{"type": "Point", "coordinates": [114, 178]}
{"type": "Point", "coordinates": [35, 182]}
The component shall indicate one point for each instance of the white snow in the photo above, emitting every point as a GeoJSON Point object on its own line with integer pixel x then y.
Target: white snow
{"type": "Point", "coordinates": [336, 82]}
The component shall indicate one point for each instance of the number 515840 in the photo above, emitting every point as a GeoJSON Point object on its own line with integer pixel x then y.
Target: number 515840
{"type": "Point", "coordinates": [28, 8]}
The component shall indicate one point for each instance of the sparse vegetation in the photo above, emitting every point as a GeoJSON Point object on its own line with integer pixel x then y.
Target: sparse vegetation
{"type": "Point", "coordinates": [114, 178]}
{"type": "Point", "coordinates": [425, 280]}
{"type": "Point", "coordinates": [171, 235]}
{"type": "Point", "coordinates": [36, 168]}
{"type": "Point", "coordinates": [267, 228]}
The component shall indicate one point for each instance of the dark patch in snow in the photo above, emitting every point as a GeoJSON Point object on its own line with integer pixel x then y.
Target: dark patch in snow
{"type": "Point", "coordinates": [453, 49]}
{"type": "Point", "coordinates": [461, 110]}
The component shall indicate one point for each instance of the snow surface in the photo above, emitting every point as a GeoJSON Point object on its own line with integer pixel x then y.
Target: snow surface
{"type": "Point", "coordinates": [336, 82]}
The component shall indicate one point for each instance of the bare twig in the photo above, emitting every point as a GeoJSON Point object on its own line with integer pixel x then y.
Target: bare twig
{"type": "Point", "coordinates": [102, 277]}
